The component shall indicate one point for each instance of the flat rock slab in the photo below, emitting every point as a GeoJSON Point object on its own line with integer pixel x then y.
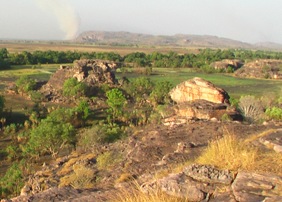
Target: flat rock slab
{"type": "Point", "coordinates": [252, 187]}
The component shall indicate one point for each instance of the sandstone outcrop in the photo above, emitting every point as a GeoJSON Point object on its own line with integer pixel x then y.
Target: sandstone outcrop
{"type": "Point", "coordinates": [261, 68]}
{"type": "Point", "coordinates": [202, 182]}
{"type": "Point", "coordinates": [198, 89]}
{"type": "Point", "coordinates": [224, 64]}
{"type": "Point", "coordinates": [200, 99]}
{"type": "Point", "coordinates": [91, 72]}
{"type": "Point", "coordinates": [202, 109]}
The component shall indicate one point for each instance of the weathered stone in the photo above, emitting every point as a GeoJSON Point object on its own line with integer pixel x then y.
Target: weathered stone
{"type": "Point", "coordinates": [92, 72]}
{"type": "Point", "coordinates": [202, 109]}
{"type": "Point", "coordinates": [224, 64]}
{"type": "Point", "coordinates": [248, 187]}
{"type": "Point", "coordinates": [273, 140]}
{"type": "Point", "coordinates": [177, 185]}
{"type": "Point", "coordinates": [208, 174]}
{"type": "Point", "coordinates": [261, 68]}
{"type": "Point", "coordinates": [198, 88]}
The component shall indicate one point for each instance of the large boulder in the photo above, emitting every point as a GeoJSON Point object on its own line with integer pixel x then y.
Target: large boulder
{"type": "Point", "coordinates": [205, 110]}
{"type": "Point", "coordinates": [225, 64]}
{"type": "Point", "coordinates": [198, 89]}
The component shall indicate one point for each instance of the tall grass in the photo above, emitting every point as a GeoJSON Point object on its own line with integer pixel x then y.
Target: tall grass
{"type": "Point", "coordinates": [139, 196]}
{"type": "Point", "coordinates": [235, 154]}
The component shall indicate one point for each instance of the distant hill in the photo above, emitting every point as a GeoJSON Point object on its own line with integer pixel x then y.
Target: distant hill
{"type": "Point", "coordinates": [127, 38]}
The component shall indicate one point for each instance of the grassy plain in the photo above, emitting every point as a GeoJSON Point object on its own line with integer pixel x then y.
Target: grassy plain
{"type": "Point", "coordinates": [13, 47]}
{"type": "Point", "coordinates": [236, 87]}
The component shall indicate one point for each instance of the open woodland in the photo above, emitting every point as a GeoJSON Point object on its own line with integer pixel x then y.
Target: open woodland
{"type": "Point", "coordinates": [36, 131]}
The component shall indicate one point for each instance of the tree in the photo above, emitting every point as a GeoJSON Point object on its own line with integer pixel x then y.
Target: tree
{"type": "Point", "coordinates": [116, 102]}
{"type": "Point", "coordinates": [52, 133]}
{"type": "Point", "coordinates": [160, 92]}
{"type": "Point", "coordinates": [25, 84]}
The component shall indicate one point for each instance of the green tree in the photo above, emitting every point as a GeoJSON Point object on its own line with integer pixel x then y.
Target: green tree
{"type": "Point", "coordinates": [25, 84]}
{"type": "Point", "coordinates": [116, 101]}
{"type": "Point", "coordinates": [160, 92]}
{"type": "Point", "coordinates": [51, 134]}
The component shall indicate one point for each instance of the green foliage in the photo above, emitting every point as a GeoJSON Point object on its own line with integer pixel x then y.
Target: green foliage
{"type": "Point", "coordinates": [274, 113]}
{"type": "Point", "coordinates": [234, 102]}
{"type": "Point", "coordinates": [139, 87]}
{"type": "Point", "coordinates": [83, 109]}
{"type": "Point", "coordinates": [116, 101]}
{"type": "Point", "coordinates": [100, 134]}
{"type": "Point", "coordinates": [12, 181]}
{"type": "Point", "coordinates": [52, 133]}
{"type": "Point", "coordinates": [160, 92]}
{"type": "Point", "coordinates": [13, 152]}
{"type": "Point", "coordinates": [25, 84]}
{"type": "Point", "coordinates": [73, 88]}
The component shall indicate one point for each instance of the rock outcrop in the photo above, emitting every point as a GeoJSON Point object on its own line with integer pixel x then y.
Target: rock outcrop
{"type": "Point", "coordinates": [202, 182]}
{"type": "Point", "coordinates": [198, 89]}
{"type": "Point", "coordinates": [200, 99]}
{"type": "Point", "coordinates": [224, 64]}
{"type": "Point", "coordinates": [91, 72]}
{"type": "Point", "coordinates": [202, 109]}
{"type": "Point", "coordinates": [262, 68]}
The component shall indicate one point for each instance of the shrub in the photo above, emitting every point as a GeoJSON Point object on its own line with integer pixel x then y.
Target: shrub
{"type": "Point", "coordinates": [116, 101]}
{"type": "Point", "coordinates": [12, 182]}
{"type": "Point", "coordinates": [251, 108]}
{"type": "Point", "coordinates": [274, 113]}
{"type": "Point", "coordinates": [81, 178]}
{"type": "Point", "coordinates": [25, 84]}
{"type": "Point", "coordinates": [108, 159]}
{"type": "Point", "coordinates": [73, 88]}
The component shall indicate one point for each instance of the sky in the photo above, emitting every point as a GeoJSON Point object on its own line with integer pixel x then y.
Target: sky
{"type": "Point", "coordinates": [249, 21]}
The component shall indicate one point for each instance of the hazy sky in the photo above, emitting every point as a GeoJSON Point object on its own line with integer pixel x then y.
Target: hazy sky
{"type": "Point", "coordinates": [246, 20]}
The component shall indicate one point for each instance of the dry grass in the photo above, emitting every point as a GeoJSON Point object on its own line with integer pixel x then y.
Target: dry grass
{"type": "Point", "coordinates": [257, 136]}
{"type": "Point", "coordinates": [81, 178]}
{"type": "Point", "coordinates": [137, 195]}
{"type": "Point", "coordinates": [235, 154]}
{"type": "Point", "coordinates": [108, 159]}
{"type": "Point", "coordinates": [229, 153]}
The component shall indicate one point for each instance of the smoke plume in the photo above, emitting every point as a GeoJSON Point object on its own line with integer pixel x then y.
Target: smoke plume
{"type": "Point", "coordinates": [65, 13]}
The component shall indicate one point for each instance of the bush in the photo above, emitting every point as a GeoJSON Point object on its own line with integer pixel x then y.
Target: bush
{"type": "Point", "coordinates": [108, 159]}
{"type": "Point", "coordinates": [251, 108]}
{"type": "Point", "coordinates": [12, 182]}
{"type": "Point", "coordinates": [25, 84]}
{"type": "Point", "coordinates": [274, 113]}
{"type": "Point", "coordinates": [73, 88]}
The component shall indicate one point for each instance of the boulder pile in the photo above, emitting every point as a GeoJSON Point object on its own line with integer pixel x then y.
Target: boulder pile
{"type": "Point", "coordinates": [91, 72]}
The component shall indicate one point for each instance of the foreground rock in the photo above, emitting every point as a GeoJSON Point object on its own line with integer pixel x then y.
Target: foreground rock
{"type": "Point", "coordinates": [200, 99]}
{"type": "Point", "coordinates": [146, 154]}
{"type": "Point", "coordinates": [205, 110]}
{"type": "Point", "coordinates": [249, 187]}
{"type": "Point", "coordinates": [198, 89]}
{"type": "Point", "coordinates": [202, 182]}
